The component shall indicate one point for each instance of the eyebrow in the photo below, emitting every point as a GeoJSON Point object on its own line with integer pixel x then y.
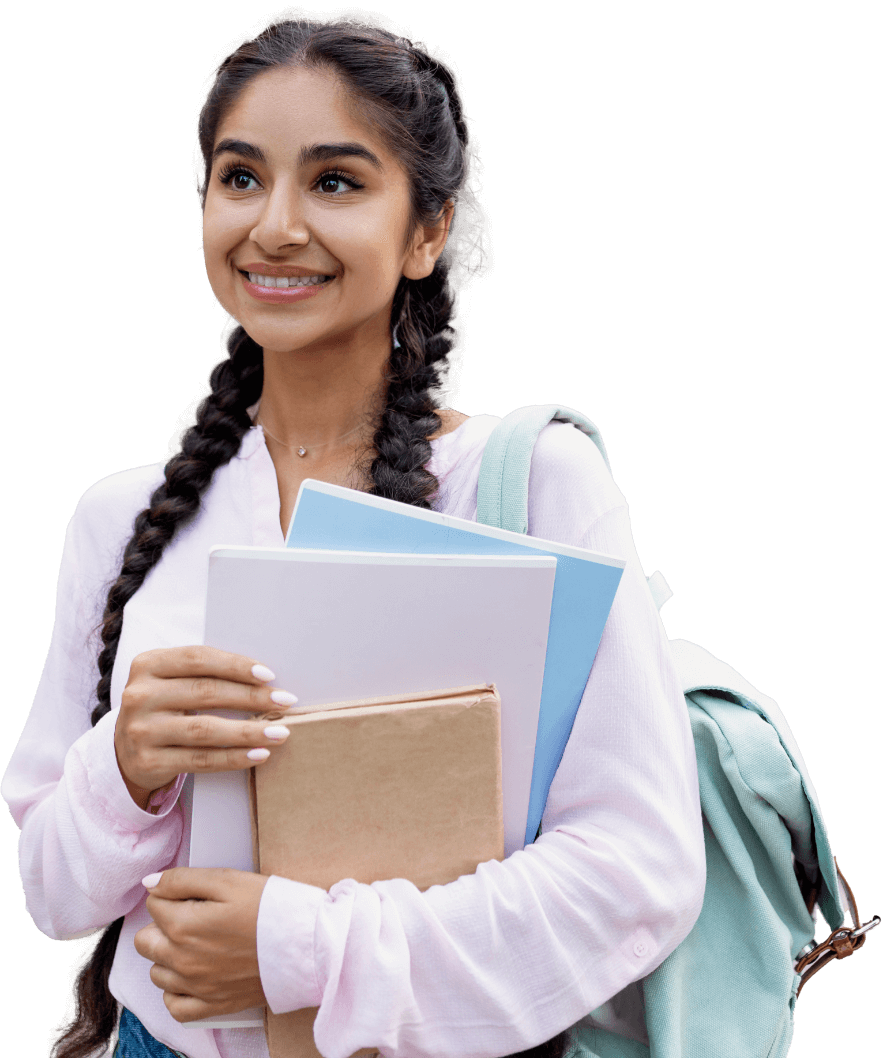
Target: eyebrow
{"type": "Point", "coordinates": [317, 152]}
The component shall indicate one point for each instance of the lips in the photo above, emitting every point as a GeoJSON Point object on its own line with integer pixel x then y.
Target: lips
{"type": "Point", "coordinates": [280, 290]}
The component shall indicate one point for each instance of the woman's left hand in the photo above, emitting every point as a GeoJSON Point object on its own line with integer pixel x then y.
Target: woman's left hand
{"type": "Point", "coordinates": [203, 940]}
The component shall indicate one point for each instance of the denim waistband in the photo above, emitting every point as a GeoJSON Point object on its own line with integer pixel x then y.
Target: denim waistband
{"type": "Point", "coordinates": [136, 1042]}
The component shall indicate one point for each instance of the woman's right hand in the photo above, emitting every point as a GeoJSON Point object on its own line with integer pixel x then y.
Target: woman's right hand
{"type": "Point", "coordinates": [159, 734]}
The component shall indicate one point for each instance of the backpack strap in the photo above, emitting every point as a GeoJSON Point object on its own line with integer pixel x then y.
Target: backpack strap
{"type": "Point", "coordinates": [505, 472]}
{"type": "Point", "coordinates": [505, 466]}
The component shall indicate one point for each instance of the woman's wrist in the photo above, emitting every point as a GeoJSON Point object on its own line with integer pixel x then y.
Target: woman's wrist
{"type": "Point", "coordinates": [140, 796]}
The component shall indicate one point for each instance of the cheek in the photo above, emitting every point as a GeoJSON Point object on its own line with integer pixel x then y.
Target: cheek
{"type": "Point", "coordinates": [371, 246]}
{"type": "Point", "coordinates": [222, 230]}
{"type": "Point", "coordinates": [214, 268]}
{"type": "Point", "coordinates": [381, 263]}
{"type": "Point", "coordinates": [220, 236]}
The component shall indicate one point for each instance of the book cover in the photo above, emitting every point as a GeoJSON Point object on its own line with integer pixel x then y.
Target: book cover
{"type": "Point", "coordinates": [394, 787]}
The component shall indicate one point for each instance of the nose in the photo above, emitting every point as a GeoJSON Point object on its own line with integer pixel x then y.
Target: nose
{"type": "Point", "coordinates": [282, 223]}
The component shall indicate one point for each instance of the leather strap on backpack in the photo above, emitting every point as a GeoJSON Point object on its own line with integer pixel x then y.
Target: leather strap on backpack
{"type": "Point", "coordinates": [841, 942]}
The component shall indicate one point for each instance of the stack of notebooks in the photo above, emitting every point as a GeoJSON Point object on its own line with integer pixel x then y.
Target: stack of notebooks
{"type": "Point", "coordinates": [439, 665]}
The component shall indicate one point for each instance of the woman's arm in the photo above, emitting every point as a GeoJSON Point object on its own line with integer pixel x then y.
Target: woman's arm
{"type": "Point", "coordinates": [85, 844]}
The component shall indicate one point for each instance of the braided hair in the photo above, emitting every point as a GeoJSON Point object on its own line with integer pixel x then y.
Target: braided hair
{"type": "Point", "coordinates": [412, 100]}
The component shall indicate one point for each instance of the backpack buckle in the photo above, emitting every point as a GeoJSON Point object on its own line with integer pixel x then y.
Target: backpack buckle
{"type": "Point", "coordinates": [840, 944]}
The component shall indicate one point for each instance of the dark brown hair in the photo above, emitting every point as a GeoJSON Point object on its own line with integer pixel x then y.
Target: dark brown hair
{"type": "Point", "coordinates": [412, 101]}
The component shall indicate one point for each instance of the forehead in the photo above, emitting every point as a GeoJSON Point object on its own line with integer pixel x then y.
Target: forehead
{"type": "Point", "coordinates": [285, 109]}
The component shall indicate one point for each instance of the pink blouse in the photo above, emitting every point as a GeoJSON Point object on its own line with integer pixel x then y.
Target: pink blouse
{"type": "Point", "coordinates": [488, 965]}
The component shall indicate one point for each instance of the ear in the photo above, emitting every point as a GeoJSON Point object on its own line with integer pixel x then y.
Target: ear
{"type": "Point", "coordinates": [427, 244]}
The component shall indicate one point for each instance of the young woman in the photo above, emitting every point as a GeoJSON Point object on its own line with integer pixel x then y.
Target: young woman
{"type": "Point", "coordinates": [334, 156]}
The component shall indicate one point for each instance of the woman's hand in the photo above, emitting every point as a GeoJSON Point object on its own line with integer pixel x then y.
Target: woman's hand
{"type": "Point", "coordinates": [159, 734]}
{"type": "Point", "coordinates": [203, 940]}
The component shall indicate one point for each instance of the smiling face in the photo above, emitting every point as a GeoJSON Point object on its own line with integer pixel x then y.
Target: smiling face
{"type": "Point", "coordinates": [302, 192]}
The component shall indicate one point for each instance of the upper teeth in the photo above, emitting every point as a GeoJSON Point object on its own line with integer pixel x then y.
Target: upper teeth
{"type": "Point", "coordinates": [285, 281]}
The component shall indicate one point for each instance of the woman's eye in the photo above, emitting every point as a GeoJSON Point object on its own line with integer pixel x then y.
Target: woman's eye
{"type": "Point", "coordinates": [336, 179]}
{"type": "Point", "coordinates": [238, 179]}
{"type": "Point", "coordinates": [231, 178]}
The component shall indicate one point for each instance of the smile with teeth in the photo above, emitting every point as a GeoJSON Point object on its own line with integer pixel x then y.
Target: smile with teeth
{"type": "Point", "coordinates": [286, 281]}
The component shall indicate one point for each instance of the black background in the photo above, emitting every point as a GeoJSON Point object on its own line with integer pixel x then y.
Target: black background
{"type": "Point", "coordinates": [680, 240]}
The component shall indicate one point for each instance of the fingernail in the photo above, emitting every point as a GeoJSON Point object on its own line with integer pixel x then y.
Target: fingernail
{"type": "Point", "coordinates": [284, 698]}
{"type": "Point", "coordinates": [151, 881]}
{"type": "Point", "coordinates": [261, 672]}
{"type": "Point", "coordinates": [277, 732]}
{"type": "Point", "coordinates": [257, 754]}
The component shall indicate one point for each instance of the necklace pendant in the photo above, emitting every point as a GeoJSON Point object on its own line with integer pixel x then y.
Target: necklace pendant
{"type": "Point", "coordinates": [301, 451]}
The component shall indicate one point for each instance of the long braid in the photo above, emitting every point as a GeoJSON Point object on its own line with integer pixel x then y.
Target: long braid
{"type": "Point", "coordinates": [423, 309]}
{"type": "Point", "coordinates": [221, 421]}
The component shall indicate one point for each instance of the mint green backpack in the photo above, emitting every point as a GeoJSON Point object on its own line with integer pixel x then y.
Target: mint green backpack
{"type": "Point", "coordinates": [728, 991]}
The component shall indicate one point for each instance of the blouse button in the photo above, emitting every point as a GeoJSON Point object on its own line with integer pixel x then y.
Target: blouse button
{"type": "Point", "coordinates": [640, 948]}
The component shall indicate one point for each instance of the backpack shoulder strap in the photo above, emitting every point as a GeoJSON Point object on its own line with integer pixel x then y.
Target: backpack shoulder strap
{"type": "Point", "coordinates": [505, 466]}
{"type": "Point", "coordinates": [505, 472]}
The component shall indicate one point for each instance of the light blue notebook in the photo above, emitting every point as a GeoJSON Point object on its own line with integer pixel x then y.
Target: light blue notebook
{"type": "Point", "coordinates": [337, 519]}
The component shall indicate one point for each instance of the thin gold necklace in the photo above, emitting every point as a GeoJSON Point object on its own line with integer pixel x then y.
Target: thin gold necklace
{"type": "Point", "coordinates": [301, 449]}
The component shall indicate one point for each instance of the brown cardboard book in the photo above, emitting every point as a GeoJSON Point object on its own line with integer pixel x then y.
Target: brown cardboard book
{"type": "Point", "coordinates": [375, 789]}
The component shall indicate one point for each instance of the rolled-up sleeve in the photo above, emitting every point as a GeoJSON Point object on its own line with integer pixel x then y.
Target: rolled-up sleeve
{"type": "Point", "coordinates": [503, 959]}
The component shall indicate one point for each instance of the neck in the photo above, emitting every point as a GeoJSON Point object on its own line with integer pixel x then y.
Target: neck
{"type": "Point", "coordinates": [317, 396]}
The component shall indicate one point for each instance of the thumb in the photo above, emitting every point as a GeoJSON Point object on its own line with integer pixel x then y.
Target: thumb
{"type": "Point", "coordinates": [189, 883]}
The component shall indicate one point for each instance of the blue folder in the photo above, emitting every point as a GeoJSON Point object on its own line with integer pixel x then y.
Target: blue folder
{"type": "Point", "coordinates": [333, 518]}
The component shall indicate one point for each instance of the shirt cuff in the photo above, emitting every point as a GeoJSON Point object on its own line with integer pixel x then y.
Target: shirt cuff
{"type": "Point", "coordinates": [286, 922]}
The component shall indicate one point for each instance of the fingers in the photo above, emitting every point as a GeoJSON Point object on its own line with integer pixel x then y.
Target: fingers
{"type": "Point", "coordinates": [184, 978]}
{"type": "Point", "coordinates": [160, 733]}
{"type": "Point", "coordinates": [210, 743]}
{"type": "Point", "coordinates": [199, 677]}
{"type": "Point", "coordinates": [146, 939]}
{"type": "Point", "coordinates": [210, 692]}
{"type": "Point", "coordinates": [218, 732]}
{"type": "Point", "coordinates": [190, 732]}
{"type": "Point", "coordinates": [204, 760]}
{"type": "Point", "coordinates": [153, 751]}
{"type": "Point", "coordinates": [185, 1008]}
{"type": "Point", "coordinates": [192, 883]}
{"type": "Point", "coordinates": [175, 662]}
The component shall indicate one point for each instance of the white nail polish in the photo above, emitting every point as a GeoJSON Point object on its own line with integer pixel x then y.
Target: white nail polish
{"type": "Point", "coordinates": [151, 881]}
{"type": "Point", "coordinates": [257, 754]}
{"type": "Point", "coordinates": [261, 672]}
{"type": "Point", "coordinates": [277, 732]}
{"type": "Point", "coordinates": [284, 698]}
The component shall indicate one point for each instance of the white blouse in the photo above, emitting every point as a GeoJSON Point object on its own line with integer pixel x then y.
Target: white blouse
{"type": "Point", "coordinates": [488, 965]}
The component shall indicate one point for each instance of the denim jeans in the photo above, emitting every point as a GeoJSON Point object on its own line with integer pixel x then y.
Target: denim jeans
{"type": "Point", "coordinates": [136, 1042]}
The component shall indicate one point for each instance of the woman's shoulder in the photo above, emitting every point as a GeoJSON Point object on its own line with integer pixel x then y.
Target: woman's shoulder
{"type": "Point", "coordinates": [562, 452]}
{"type": "Point", "coordinates": [559, 444]}
{"type": "Point", "coordinates": [97, 533]}
{"type": "Point", "coordinates": [570, 484]}
{"type": "Point", "coordinates": [123, 484]}
{"type": "Point", "coordinates": [119, 495]}
{"type": "Point", "coordinates": [450, 420]}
